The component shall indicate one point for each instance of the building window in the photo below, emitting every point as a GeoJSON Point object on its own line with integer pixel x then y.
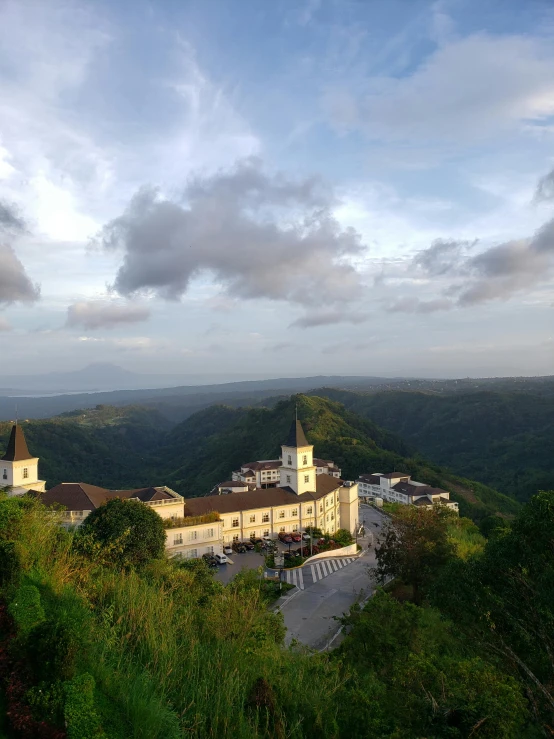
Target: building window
{"type": "Point", "coordinates": [305, 459]}
{"type": "Point", "coordinates": [235, 522]}
{"type": "Point", "coordinates": [295, 511]}
{"type": "Point", "coordinates": [288, 479]}
{"type": "Point", "coordinates": [265, 518]}
{"type": "Point", "coordinates": [321, 507]}
{"type": "Point", "coordinates": [289, 458]}
{"type": "Point", "coordinates": [266, 532]}
{"type": "Point", "coordinates": [306, 478]}
{"type": "Point", "coordinates": [5, 474]}
{"type": "Point", "coordinates": [25, 472]}
{"type": "Point", "coordinates": [235, 537]}
{"type": "Point", "coordinates": [309, 511]}
{"type": "Point", "coordinates": [327, 517]}
{"type": "Point", "coordinates": [178, 539]}
{"type": "Point", "coordinates": [209, 550]}
{"type": "Point", "coordinates": [193, 535]}
{"type": "Point", "coordinates": [332, 516]}
{"type": "Point", "coordinates": [295, 527]}
{"type": "Point", "coordinates": [281, 514]}
{"type": "Point", "coordinates": [193, 553]}
{"type": "Point", "coordinates": [209, 533]}
{"type": "Point", "coordinates": [253, 519]}
{"type": "Point", "coordinates": [282, 529]}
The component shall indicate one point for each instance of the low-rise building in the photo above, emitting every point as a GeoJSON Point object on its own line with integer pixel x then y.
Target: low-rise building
{"type": "Point", "coordinates": [266, 473]}
{"type": "Point", "coordinates": [397, 487]}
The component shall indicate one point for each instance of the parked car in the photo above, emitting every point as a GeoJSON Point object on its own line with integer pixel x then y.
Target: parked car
{"type": "Point", "coordinates": [285, 538]}
{"type": "Point", "coordinates": [269, 539]}
{"type": "Point", "coordinates": [239, 547]}
{"type": "Point", "coordinates": [254, 540]}
{"type": "Point", "coordinates": [249, 545]}
{"type": "Point", "coordinates": [227, 549]}
{"type": "Point", "coordinates": [296, 536]}
{"type": "Point", "coordinates": [210, 560]}
{"type": "Point", "coordinates": [306, 537]}
{"type": "Point", "coordinates": [221, 559]}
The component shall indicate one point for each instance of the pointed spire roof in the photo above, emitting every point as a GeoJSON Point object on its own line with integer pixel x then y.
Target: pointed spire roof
{"type": "Point", "coordinates": [296, 436]}
{"type": "Point", "coordinates": [17, 446]}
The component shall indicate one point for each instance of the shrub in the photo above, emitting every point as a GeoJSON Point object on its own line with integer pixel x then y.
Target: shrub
{"type": "Point", "coordinates": [136, 530]}
{"type": "Point", "coordinates": [26, 608]}
{"type": "Point", "coordinates": [81, 719]}
{"type": "Point", "coordinates": [10, 566]}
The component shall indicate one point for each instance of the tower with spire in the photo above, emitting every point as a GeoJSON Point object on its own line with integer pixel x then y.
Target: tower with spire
{"type": "Point", "coordinates": [297, 471]}
{"type": "Point", "coordinates": [18, 468]}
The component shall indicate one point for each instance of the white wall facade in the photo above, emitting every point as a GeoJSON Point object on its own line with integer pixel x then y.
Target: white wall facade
{"type": "Point", "coordinates": [21, 474]}
{"type": "Point", "coordinates": [298, 471]}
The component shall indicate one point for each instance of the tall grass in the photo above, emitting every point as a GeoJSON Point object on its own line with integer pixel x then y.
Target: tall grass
{"type": "Point", "coordinates": [174, 653]}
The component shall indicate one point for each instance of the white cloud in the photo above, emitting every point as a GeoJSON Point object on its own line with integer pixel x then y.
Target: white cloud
{"type": "Point", "coordinates": [96, 314]}
{"type": "Point", "coordinates": [470, 89]}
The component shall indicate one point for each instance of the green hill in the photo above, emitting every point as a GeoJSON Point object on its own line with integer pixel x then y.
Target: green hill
{"type": "Point", "coordinates": [204, 449]}
{"type": "Point", "coordinates": [503, 439]}
{"type": "Point", "coordinates": [134, 446]}
{"type": "Point", "coordinates": [104, 446]}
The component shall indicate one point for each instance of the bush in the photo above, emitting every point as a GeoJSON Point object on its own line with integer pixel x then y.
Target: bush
{"type": "Point", "coordinates": [26, 608]}
{"type": "Point", "coordinates": [133, 532]}
{"type": "Point", "coordinates": [343, 537]}
{"type": "Point", "coordinates": [81, 719]}
{"type": "Point", "coordinates": [10, 566]}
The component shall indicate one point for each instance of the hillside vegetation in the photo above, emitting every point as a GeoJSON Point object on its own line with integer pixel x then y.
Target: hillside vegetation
{"type": "Point", "coordinates": [135, 447]}
{"type": "Point", "coordinates": [502, 439]}
{"type": "Point", "coordinates": [206, 447]}
{"type": "Point", "coordinates": [95, 647]}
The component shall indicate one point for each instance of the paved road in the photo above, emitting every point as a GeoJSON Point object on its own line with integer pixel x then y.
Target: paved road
{"type": "Point", "coordinates": [329, 590]}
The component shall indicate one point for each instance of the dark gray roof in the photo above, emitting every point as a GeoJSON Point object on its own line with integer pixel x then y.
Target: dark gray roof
{"type": "Point", "coordinates": [17, 446]}
{"type": "Point", "coordinates": [296, 436]}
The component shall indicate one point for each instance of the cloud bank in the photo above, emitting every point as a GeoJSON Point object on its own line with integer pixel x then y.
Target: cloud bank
{"type": "Point", "coordinates": [97, 314]}
{"type": "Point", "coordinates": [15, 285]}
{"type": "Point", "coordinates": [259, 236]}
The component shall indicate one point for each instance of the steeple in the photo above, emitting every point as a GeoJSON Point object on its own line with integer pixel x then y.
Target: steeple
{"type": "Point", "coordinates": [18, 467]}
{"type": "Point", "coordinates": [17, 446]}
{"type": "Point", "coordinates": [296, 436]}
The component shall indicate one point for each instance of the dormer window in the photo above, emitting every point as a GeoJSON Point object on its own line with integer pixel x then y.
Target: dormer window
{"type": "Point", "coordinates": [305, 459]}
{"type": "Point", "coordinates": [289, 458]}
{"type": "Point", "coordinates": [25, 473]}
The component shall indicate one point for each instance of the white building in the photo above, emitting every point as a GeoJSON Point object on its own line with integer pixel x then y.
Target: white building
{"type": "Point", "coordinates": [397, 487]}
{"type": "Point", "coordinates": [198, 526]}
{"type": "Point", "coordinates": [185, 537]}
{"type": "Point", "coordinates": [303, 498]}
{"type": "Point", "coordinates": [266, 473]}
{"type": "Point", "coordinates": [18, 468]}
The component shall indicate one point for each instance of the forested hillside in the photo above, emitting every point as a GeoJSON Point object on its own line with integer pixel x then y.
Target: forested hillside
{"type": "Point", "coordinates": [207, 446]}
{"type": "Point", "coordinates": [134, 447]}
{"type": "Point", "coordinates": [502, 439]}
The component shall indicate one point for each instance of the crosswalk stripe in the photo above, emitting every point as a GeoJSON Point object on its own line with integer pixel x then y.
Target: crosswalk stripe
{"type": "Point", "coordinates": [314, 578]}
{"type": "Point", "coordinates": [300, 580]}
{"type": "Point", "coordinates": [324, 568]}
{"type": "Point", "coordinates": [318, 568]}
{"type": "Point", "coordinates": [335, 566]}
{"type": "Point", "coordinates": [340, 564]}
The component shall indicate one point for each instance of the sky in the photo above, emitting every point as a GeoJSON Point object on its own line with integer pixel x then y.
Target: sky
{"type": "Point", "coordinates": [295, 187]}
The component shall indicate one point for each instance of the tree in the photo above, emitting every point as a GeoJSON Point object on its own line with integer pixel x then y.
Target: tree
{"type": "Point", "coordinates": [133, 530]}
{"type": "Point", "coordinates": [416, 544]}
{"type": "Point", "coordinates": [504, 599]}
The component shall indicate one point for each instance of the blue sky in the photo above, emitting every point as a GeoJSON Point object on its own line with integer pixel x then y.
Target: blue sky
{"type": "Point", "coordinates": [294, 187]}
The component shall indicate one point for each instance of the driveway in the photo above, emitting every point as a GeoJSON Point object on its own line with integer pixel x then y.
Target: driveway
{"type": "Point", "coordinates": [328, 588]}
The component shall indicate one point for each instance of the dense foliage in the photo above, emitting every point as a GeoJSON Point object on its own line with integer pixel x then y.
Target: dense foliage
{"type": "Point", "coordinates": [503, 439]}
{"type": "Point", "coordinates": [132, 532]}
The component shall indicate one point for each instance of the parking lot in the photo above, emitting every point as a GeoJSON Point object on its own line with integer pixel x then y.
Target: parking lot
{"type": "Point", "coordinates": [249, 561]}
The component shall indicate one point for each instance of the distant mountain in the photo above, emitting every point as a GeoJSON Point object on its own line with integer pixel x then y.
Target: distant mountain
{"type": "Point", "coordinates": [505, 439]}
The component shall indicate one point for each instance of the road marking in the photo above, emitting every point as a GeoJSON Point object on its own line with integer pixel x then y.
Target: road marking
{"type": "Point", "coordinates": [318, 568]}
{"type": "Point", "coordinates": [340, 564]}
{"type": "Point", "coordinates": [314, 578]}
{"type": "Point", "coordinates": [300, 579]}
{"type": "Point", "coordinates": [335, 565]}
